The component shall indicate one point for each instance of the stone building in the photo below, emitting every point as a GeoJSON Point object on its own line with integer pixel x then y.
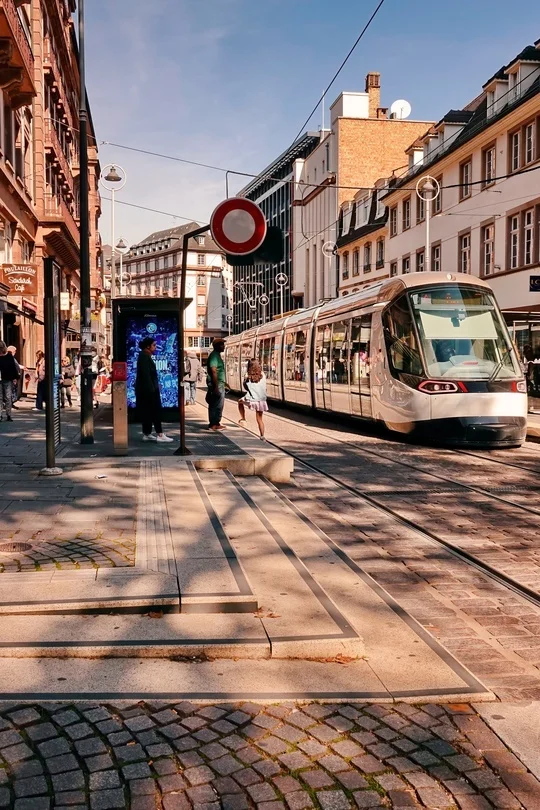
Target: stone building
{"type": "Point", "coordinates": [39, 163]}
{"type": "Point", "coordinates": [152, 269]}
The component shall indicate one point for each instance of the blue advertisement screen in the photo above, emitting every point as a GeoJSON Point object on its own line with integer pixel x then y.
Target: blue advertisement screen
{"type": "Point", "coordinates": [164, 330]}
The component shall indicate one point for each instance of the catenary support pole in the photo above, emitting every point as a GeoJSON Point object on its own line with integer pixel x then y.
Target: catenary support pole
{"type": "Point", "coordinates": [87, 414]}
{"type": "Point", "coordinates": [182, 450]}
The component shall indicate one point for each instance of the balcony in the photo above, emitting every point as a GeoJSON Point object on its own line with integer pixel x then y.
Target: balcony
{"type": "Point", "coordinates": [59, 217]}
{"type": "Point", "coordinates": [53, 145]}
{"type": "Point", "coordinates": [16, 58]}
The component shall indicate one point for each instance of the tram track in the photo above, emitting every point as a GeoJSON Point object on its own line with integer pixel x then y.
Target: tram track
{"type": "Point", "coordinates": [493, 573]}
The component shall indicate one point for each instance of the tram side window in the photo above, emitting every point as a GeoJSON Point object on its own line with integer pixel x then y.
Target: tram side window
{"type": "Point", "coordinates": [322, 354]}
{"type": "Point", "coordinates": [400, 339]}
{"type": "Point", "coordinates": [274, 352]}
{"type": "Point", "coordinates": [264, 355]}
{"type": "Point", "coordinates": [359, 356]}
{"type": "Point", "coordinates": [340, 351]}
{"type": "Point", "coordinates": [289, 356]}
{"type": "Point", "coordinates": [247, 355]}
{"type": "Point", "coordinates": [232, 362]}
{"type": "Point", "coordinates": [300, 356]}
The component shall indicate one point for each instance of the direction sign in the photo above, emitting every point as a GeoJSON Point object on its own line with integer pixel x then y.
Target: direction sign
{"type": "Point", "coordinates": [238, 226]}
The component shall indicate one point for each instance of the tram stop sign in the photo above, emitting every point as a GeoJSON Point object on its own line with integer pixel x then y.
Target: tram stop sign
{"type": "Point", "coordinates": [238, 226]}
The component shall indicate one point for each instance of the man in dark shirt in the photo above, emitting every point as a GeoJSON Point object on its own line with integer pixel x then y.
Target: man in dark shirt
{"type": "Point", "coordinates": [8, 374]}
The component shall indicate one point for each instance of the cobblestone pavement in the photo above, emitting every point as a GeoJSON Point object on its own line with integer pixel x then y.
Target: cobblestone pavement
{"type": "Point", "coordinates": [280, 757]}
{"type": "Point", "coordinates": [65, 551]}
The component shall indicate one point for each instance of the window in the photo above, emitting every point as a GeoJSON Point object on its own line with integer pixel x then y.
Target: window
{"type": "Point", "coordinates": [435, 258]}
{"type": "Point", "coordinates": [528, 236]}
{"type": "Point", "coordinates": [200, 240]}
{"type": "Point", "coordinates": [488, 156]}
{"type": "Point", "coordinates": [300, 356]}
{"type": "Point", "coordinates": [355, 263]}
{"type": "Point", "coordinates": [289, 356]}
{"type": "Point", "coordinates": [406, 265]}
{"type": "Point", "coordinates": [465, 253]}
{"type": "Point", "coordinates": [420, 210]}
{"type": "Point", "coordinates": [515, 151]}
{"type": "Point", "coordinates": [420, 261]}
{"type": "Point", "coordinates": [488, 245]}
{"type": "Point", "coordinates": [166, 283]}
{"type": "Point", "coordinates": [340, 352]}
{"type": "Point", "coordinates": [380, 253]}
{"type": "Point", "coordinates": [201, 300]}
{"type": "Point", "coordinates": [465, 178]}
{"type": "Point", "coordinates": [201, 280]}
{"type": "Point", "coordinates": [514, 242]}
{"type": "Point", "coordinates": [393, 269]}
{"type": "Point", "coordinates": [367, 258]}
{"type": "Point", "coordinates": [201, 259]}
{"type": "Point", "coordinates": [437, 205]}
{"type": "Point", "coordinates": [400, 339]}
{"type": "Point", "coordinates": [406, 214]}
{"type": "Point", "coordinates": [393, 221]}
{"type": "Point", "coordinates": [345, 273]}
{"type": "Point", "coordinates": [529, 143]}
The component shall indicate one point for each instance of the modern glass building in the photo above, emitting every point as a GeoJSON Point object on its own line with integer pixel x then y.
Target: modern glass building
{"type": "Point", "coordinates": [257, 294]}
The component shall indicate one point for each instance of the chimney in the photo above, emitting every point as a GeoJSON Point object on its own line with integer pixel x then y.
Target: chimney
{"type": "Point", "coordinates": [373, 89]}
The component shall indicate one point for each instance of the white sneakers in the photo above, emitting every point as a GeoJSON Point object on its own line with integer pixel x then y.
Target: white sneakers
{"type": "Point", "coordinates": [164, 438]}
{"type": "Point", "coordinates": [149, 437]}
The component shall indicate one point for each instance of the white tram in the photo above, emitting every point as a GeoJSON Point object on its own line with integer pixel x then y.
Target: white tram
{"type": "Point", "coordinates": [424, 353]}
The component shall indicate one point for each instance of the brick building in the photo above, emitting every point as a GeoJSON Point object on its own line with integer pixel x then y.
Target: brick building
{"type": "Point", "coordinates": [152, 269]}
{"type": "Point", "coordinates": [486, 220]}
{"type": "Point", "coordinates": [363, 144]}
{"type": "Point", "coordinates": [362, 233]}
{"type": "Point", "coordinates": [39, 165]}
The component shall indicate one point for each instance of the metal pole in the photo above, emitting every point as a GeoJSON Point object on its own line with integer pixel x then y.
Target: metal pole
{"type": "Point", "coordinates": [87, 414]}
{"type": "Point", "coordinates": [182, 450]}
{"type": "Point", "coordinates": [281, 300]}
{"type": "Point", "coordinates": [113, 263]}
{"type": "Point", "coordinates": [427, 259]}
{"type": "Point", "coordinates": [50, 352]}
{"type": "Point", "coordinates": [121, 276]}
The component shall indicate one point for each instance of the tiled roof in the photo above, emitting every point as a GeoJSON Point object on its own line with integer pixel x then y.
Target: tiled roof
{"type": "Point", "coordinates": [174, 235]}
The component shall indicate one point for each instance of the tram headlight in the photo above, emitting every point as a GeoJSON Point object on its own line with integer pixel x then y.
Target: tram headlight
{"type": "Point", "coordinates": [438, 387]}
{"type": "Point", "coordinates": [521, 387]}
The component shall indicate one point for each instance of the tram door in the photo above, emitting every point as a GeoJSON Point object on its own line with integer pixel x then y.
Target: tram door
{"type": "Point", "coordinates": [359, 367]}
{"type": "Point", "coordinates": [322, 367]}
{"type": "Point", "coordinates": [340, 356]}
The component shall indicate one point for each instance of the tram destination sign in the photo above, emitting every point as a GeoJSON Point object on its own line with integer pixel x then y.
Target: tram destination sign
{"type": "Point", "coordinates": [534, 283]}
{"type": "Point", "coordinates": [22, 279]}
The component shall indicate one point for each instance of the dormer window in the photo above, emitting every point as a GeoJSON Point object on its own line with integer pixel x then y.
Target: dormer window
{"type": "Point", "coordinates": [200, 240]}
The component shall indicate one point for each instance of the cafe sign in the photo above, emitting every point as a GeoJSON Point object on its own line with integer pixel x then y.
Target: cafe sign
{"type": "Point", "coordinates": [21, 278]}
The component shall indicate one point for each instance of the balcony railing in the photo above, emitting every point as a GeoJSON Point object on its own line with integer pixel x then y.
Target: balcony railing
{"type": "Point", "coordinates": [18, 34]}
{"type": "Point", "coordinates": [57, 210]}
{"type": "Point", "coordinates": [53, 140]}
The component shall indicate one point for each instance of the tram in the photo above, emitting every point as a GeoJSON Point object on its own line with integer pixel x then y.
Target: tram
{"type": "Point", "coordinates": [425, 354]}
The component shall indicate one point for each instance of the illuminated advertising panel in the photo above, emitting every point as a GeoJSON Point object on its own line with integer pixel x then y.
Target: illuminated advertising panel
{"type": "Point", "coordinates": [163, 329]}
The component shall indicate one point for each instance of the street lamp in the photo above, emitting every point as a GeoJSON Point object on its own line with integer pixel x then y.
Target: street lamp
{"type": "Point", "coordinates": [427, 189]}
{"type": "Point", "coordinates": [113, 178]}
{"type": "Point", "coordinates": [122, 247]}
{"type": "Point", "coordinates": [281, 281]}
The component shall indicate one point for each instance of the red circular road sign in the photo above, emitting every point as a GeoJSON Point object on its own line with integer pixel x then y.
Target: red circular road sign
{"type": "Point", "coordinates": [238, 226]}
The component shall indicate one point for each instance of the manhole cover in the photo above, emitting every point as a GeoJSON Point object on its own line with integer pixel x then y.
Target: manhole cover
{"type": "Point", "coordinates": [9, 548]}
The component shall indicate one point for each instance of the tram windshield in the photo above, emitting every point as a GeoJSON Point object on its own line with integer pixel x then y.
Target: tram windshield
{"type": "Point", "coordinates": [462, 334]}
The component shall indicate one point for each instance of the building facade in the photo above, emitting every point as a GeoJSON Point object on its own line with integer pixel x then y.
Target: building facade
{"type": "Point", "coordinates": [362, 145]}
{"type": "Point", "coordinates": [39, 164]}
{"type": "Point", "coordinates": [486, 219]}
{"type": "Point", "coordinates": [152, 269]}
{"type": "Point", "coordinates": [273, 191]}
{"type": "Point", "coordinates": [361, 244]}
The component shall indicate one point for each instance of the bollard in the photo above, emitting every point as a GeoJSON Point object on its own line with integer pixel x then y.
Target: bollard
{"type": "Point", "coordinates": [120, 411]}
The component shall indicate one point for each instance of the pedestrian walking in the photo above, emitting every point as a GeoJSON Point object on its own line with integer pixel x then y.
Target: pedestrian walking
{"type": "Point", "coordinates": [41, 393]}
{"type": "Point", "coordinates": [193, 374]}
{"type": "Point", "coordinates": [147, 393]}
{"type": "Point", "coordinates": [215, 396]}
{"type": "Point", "coordinates": [9, 373]}
{"type": "Point", "coordinates": [66, 383]}
{"type": "Point", "coordinates": [16, 383]}
{"type": "Point", "coordinates": [255, 396]}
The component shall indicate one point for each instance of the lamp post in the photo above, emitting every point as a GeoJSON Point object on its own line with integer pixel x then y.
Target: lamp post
{"type": "Point", "coordinates": [428, 189]}
{"type": "Point", "coordinates": [122, 247]}
{"type": "Point", "coordinates": [281, 281]}
{"type": "Point", "coordinates": [113, 178]}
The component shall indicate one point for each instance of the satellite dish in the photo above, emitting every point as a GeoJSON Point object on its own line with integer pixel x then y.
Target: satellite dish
{"type": "Point", "coordinates": [400, 109]}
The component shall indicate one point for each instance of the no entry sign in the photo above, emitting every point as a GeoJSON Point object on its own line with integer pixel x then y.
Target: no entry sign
{"type": "Point", "coordinates": [238, 226]}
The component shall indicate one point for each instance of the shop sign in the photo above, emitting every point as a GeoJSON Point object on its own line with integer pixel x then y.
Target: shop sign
{"type": "Point", "coordinates": [64, 302]}
{"type": "Point", "coordinates": [21, 278]}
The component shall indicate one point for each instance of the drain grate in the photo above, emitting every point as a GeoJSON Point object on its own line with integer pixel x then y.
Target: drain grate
{"type": "Point", "coordinates": [9, 548]}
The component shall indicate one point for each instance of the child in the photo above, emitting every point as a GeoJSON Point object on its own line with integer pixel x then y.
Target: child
{"type": "Point", "coordinates": [255, 398]}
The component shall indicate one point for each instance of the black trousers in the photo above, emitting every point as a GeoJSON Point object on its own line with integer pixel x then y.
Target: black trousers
{"type": "Point", "coordinates": [150, 412]}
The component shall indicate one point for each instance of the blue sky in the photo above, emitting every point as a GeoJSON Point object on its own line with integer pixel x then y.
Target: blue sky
{"type": "Point", "coordinates": [230, 82]}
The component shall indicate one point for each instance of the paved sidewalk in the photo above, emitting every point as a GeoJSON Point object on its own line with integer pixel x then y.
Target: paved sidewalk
{"type": "Point", "coordinates": [146, 756]}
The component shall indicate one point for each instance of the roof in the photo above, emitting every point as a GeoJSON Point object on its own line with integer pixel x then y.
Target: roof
{"type": "Point", "coordinates": [306, 143]}
{"type": "Point", "coordinates": [455, 117]}
{"type": "Point", "coordinates": [531, 53]}
{"type": "Point", "coordinates": [173, 235]}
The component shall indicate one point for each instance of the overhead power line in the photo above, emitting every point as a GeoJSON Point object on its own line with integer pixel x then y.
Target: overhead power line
{"type": "Point", "coordinates": [338, 71]}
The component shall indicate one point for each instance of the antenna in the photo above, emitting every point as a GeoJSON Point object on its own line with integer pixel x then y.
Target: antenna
{"type": "Point", "coordinates": [400, 109]}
